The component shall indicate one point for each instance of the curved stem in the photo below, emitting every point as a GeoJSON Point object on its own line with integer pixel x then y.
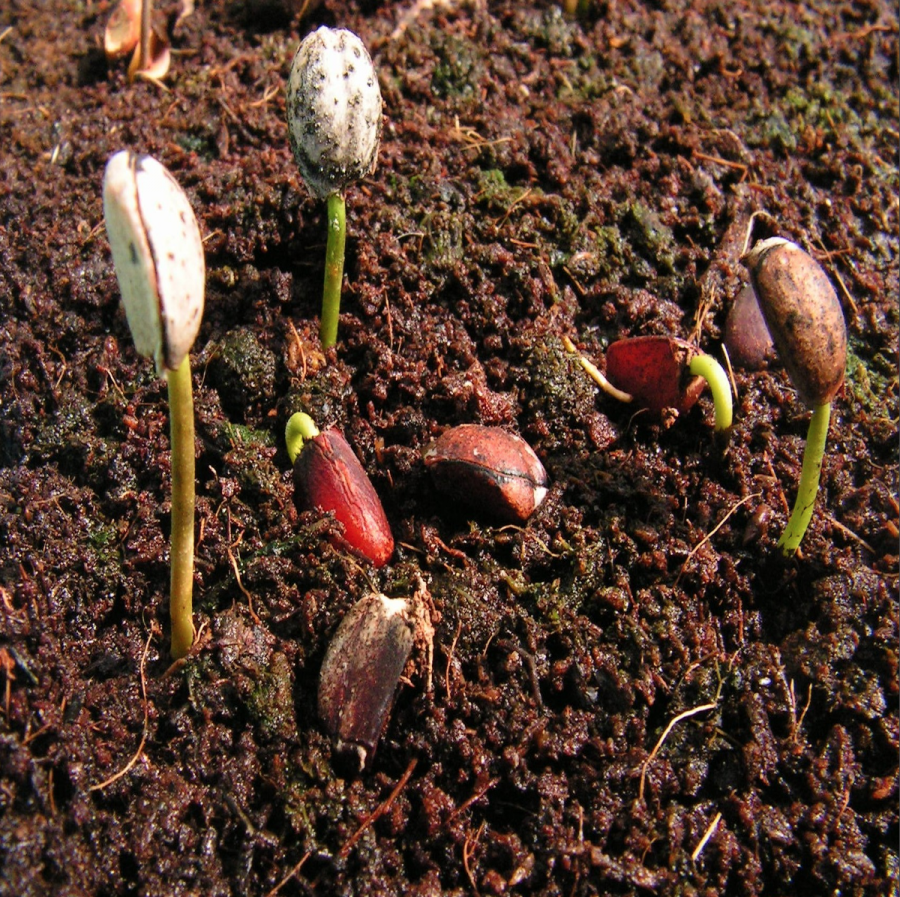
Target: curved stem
{"type": "Point", "coordinates": [334, 270]}
{"type": "Point", "coordinates": [181, 411]}
{"type": "Point", "coordinates": [300, 428]}
{"type": "Point", "coordinates": [813, 454]}
{"type": "Point", "coordinates": [707, 367]}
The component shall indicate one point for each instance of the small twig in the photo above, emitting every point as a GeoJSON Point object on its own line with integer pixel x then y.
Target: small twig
{"type": "Point", "coordinates": [472, 139]}
{"type": "Point", "coordinates": [299, 344]}
{"type": "Point", "coordinates": [35, 734]}
{"type": "Point", "coordinates": [730, 370]}
{"type": "Point", "coordinates": [707, 835]}
{"type": "Point", "coordinates": [449, 659]}
{"type": "Point", "coordinates": [840, 281]}
{"type": "Point", "coordinates": [247, 595]}
{"type": "Point", "coordinates": [849, 532]}
{"type": "Point", "coordinates": [270, 91]}
{"type": "Point", "coordinates": [718, 160]}
{"type": "Point", "coordinates": [519, 199]}
{"type": "Point", "coordinates": [379, 811]}
{"type": "Point", "coordinates": [798, 721]}
{"type": "Point", "coordinates": [468, 850]}
{"type": "Point", "coordinates": [140, 750]}
{"type": "Point", "coordinates": [713, 531]}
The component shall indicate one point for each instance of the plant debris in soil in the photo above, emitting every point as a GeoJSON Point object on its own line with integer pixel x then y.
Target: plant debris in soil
{"type": "Point", "coordinates": [633, 692]}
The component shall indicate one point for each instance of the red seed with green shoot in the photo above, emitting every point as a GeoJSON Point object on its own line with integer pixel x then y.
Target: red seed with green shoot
{"type": "Point", "coordinates": [329, 478]}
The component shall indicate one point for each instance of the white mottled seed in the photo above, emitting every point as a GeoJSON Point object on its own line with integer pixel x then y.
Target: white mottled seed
{"type": "Point", "coordinates": [333, 110]}
{"type": "Point", "coordinates": [158, 255]}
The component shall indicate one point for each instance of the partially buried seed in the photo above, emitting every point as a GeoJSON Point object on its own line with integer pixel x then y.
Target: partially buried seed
{"type": "Point", "coordinates": [362, 668]}
{"type": "Point", "coordinates": [665, 372]}
{"type": "Point", "coordinates": [488, 470]}
{"type": "Point", "coordinates": [747, 336]}
{"type": "Point", "coordinates": [654, 371]}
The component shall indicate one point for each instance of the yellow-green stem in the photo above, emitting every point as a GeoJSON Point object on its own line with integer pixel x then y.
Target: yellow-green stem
{"type": "Point", "coordinates": [813, 454]}
{"type": "Point", "coordinates": [334, 270]}
{"type": "Point", "coordinates": [181, 411]}
{"type": "Point", "coordinates": [707, 367]}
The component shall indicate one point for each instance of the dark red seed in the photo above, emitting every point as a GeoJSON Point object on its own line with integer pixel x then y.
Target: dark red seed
{"type": "Point", "coordinates": [487, 470]}
{"type": "Point", "coordinates": [360, 673]}
{"type": "Point", "coordinates": [654, 371]}
{"type": "Point", "coordinates": [329, 478]}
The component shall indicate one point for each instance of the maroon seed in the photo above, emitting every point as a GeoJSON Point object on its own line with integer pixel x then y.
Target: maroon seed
{"type": "Point", "coordinates": [329, 478]}
{"type": "Point", "coordinates": [747, 337]}
{"type": "Point", "coordinates": [654, 371]}
{"type": "Point", "coordinates": [488, 470]}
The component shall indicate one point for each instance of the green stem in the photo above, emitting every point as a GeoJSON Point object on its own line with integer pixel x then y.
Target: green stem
{"type": "Point", "coordinates": [334, 270]}
{"type": "Point", "coordinates": [181, 411]}
{"type": "Point", "coordinates": [707, 367]}
{"type": "Point", "coordinates": [299, 428]}
{"type": "Point", "coordinates": [809, 480]}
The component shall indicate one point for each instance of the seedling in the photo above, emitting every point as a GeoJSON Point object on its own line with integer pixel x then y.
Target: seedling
{"type": "Point", "coordinates": [334, 126]}
{"type": "Point", "coordinates": [329, 478]}
{"type": "Point", "coordinates": [663, 372]}
{"type": "Point", "coordinates": [363, 665]}
{"type": "Point", "coordinates": [158, 256]}
{"type": "Point", "coordinates": [804, 316]}
{"type": "Point", "coordinates": [489, 470]}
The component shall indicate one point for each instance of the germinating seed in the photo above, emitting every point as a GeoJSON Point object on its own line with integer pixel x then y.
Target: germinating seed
{"type": "Point", "coordinates": [333, 110]}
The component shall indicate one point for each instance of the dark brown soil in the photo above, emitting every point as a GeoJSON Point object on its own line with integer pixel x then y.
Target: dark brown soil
{"type": "Point", "coordinates": [634, 693]}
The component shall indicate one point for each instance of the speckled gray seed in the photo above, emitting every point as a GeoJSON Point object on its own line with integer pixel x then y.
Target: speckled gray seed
{"type": "Point", "coordinates": [333, 110]}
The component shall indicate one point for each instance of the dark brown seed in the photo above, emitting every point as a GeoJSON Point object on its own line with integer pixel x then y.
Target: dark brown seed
{"type": "Point", "coordinates": [329, 478]}
{"type": "Point", "coordinates": [362, 667]}
{"type": "Point", "coordinates": [804, 316]}
{"type": "Point", "coordinates": [758, 524]}
{"type": "Point", "coordinates": [487, 470]}
{"type": "Point", "coordinates": [747, 336]}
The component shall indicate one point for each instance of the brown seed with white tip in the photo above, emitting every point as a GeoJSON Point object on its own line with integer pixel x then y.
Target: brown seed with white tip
{"type": "Point", "coordinates": [488, 470]}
